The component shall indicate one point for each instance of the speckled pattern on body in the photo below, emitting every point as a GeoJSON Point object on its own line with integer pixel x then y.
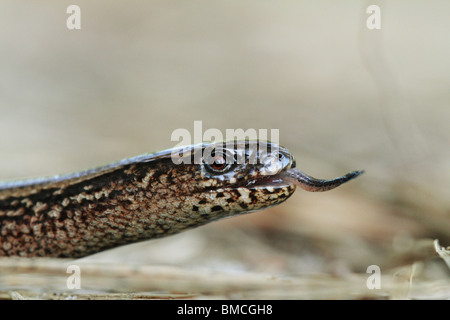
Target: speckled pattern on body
{"type": "Point", "coordinates": [132, 200]}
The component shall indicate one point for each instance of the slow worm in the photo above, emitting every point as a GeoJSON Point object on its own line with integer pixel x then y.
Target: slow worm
{"type": "Point", "coordinates": [146, 197]}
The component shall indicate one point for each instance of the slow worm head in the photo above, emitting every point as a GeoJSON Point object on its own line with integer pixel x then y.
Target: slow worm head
{"type": "Point", "coordinates": [147, 197]}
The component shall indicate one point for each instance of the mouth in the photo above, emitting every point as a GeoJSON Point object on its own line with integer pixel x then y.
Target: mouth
{"type": "Point", "coordinates": [276, 181]}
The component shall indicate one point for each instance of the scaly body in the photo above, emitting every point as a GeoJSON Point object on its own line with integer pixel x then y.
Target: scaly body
{"type": "Point", "coordinates": [141, 198]}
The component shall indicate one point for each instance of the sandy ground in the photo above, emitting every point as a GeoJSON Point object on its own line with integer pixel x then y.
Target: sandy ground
{"type": "Point", "coordinates": [343, 98]}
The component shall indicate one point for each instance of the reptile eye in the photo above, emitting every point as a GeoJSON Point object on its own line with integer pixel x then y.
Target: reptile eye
{"type": "Point", "coordinates": [218, 163]}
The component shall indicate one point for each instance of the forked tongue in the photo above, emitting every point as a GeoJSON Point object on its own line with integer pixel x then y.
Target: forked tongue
{"type": "Point", "coordinates": [316, 185]}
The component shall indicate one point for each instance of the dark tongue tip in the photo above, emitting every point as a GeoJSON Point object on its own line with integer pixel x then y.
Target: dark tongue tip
{"type": "Point", "coordinates": [353, 174]}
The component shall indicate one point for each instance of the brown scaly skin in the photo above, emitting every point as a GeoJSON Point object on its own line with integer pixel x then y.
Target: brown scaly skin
{"type": "Point", "coordinates": [137, 199]}
{"type": "Point", "coordinates": [143, 198]}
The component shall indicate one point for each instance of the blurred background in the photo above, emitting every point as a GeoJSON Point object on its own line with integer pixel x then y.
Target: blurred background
{"type": "Point", "coordinates": [343, 97]}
